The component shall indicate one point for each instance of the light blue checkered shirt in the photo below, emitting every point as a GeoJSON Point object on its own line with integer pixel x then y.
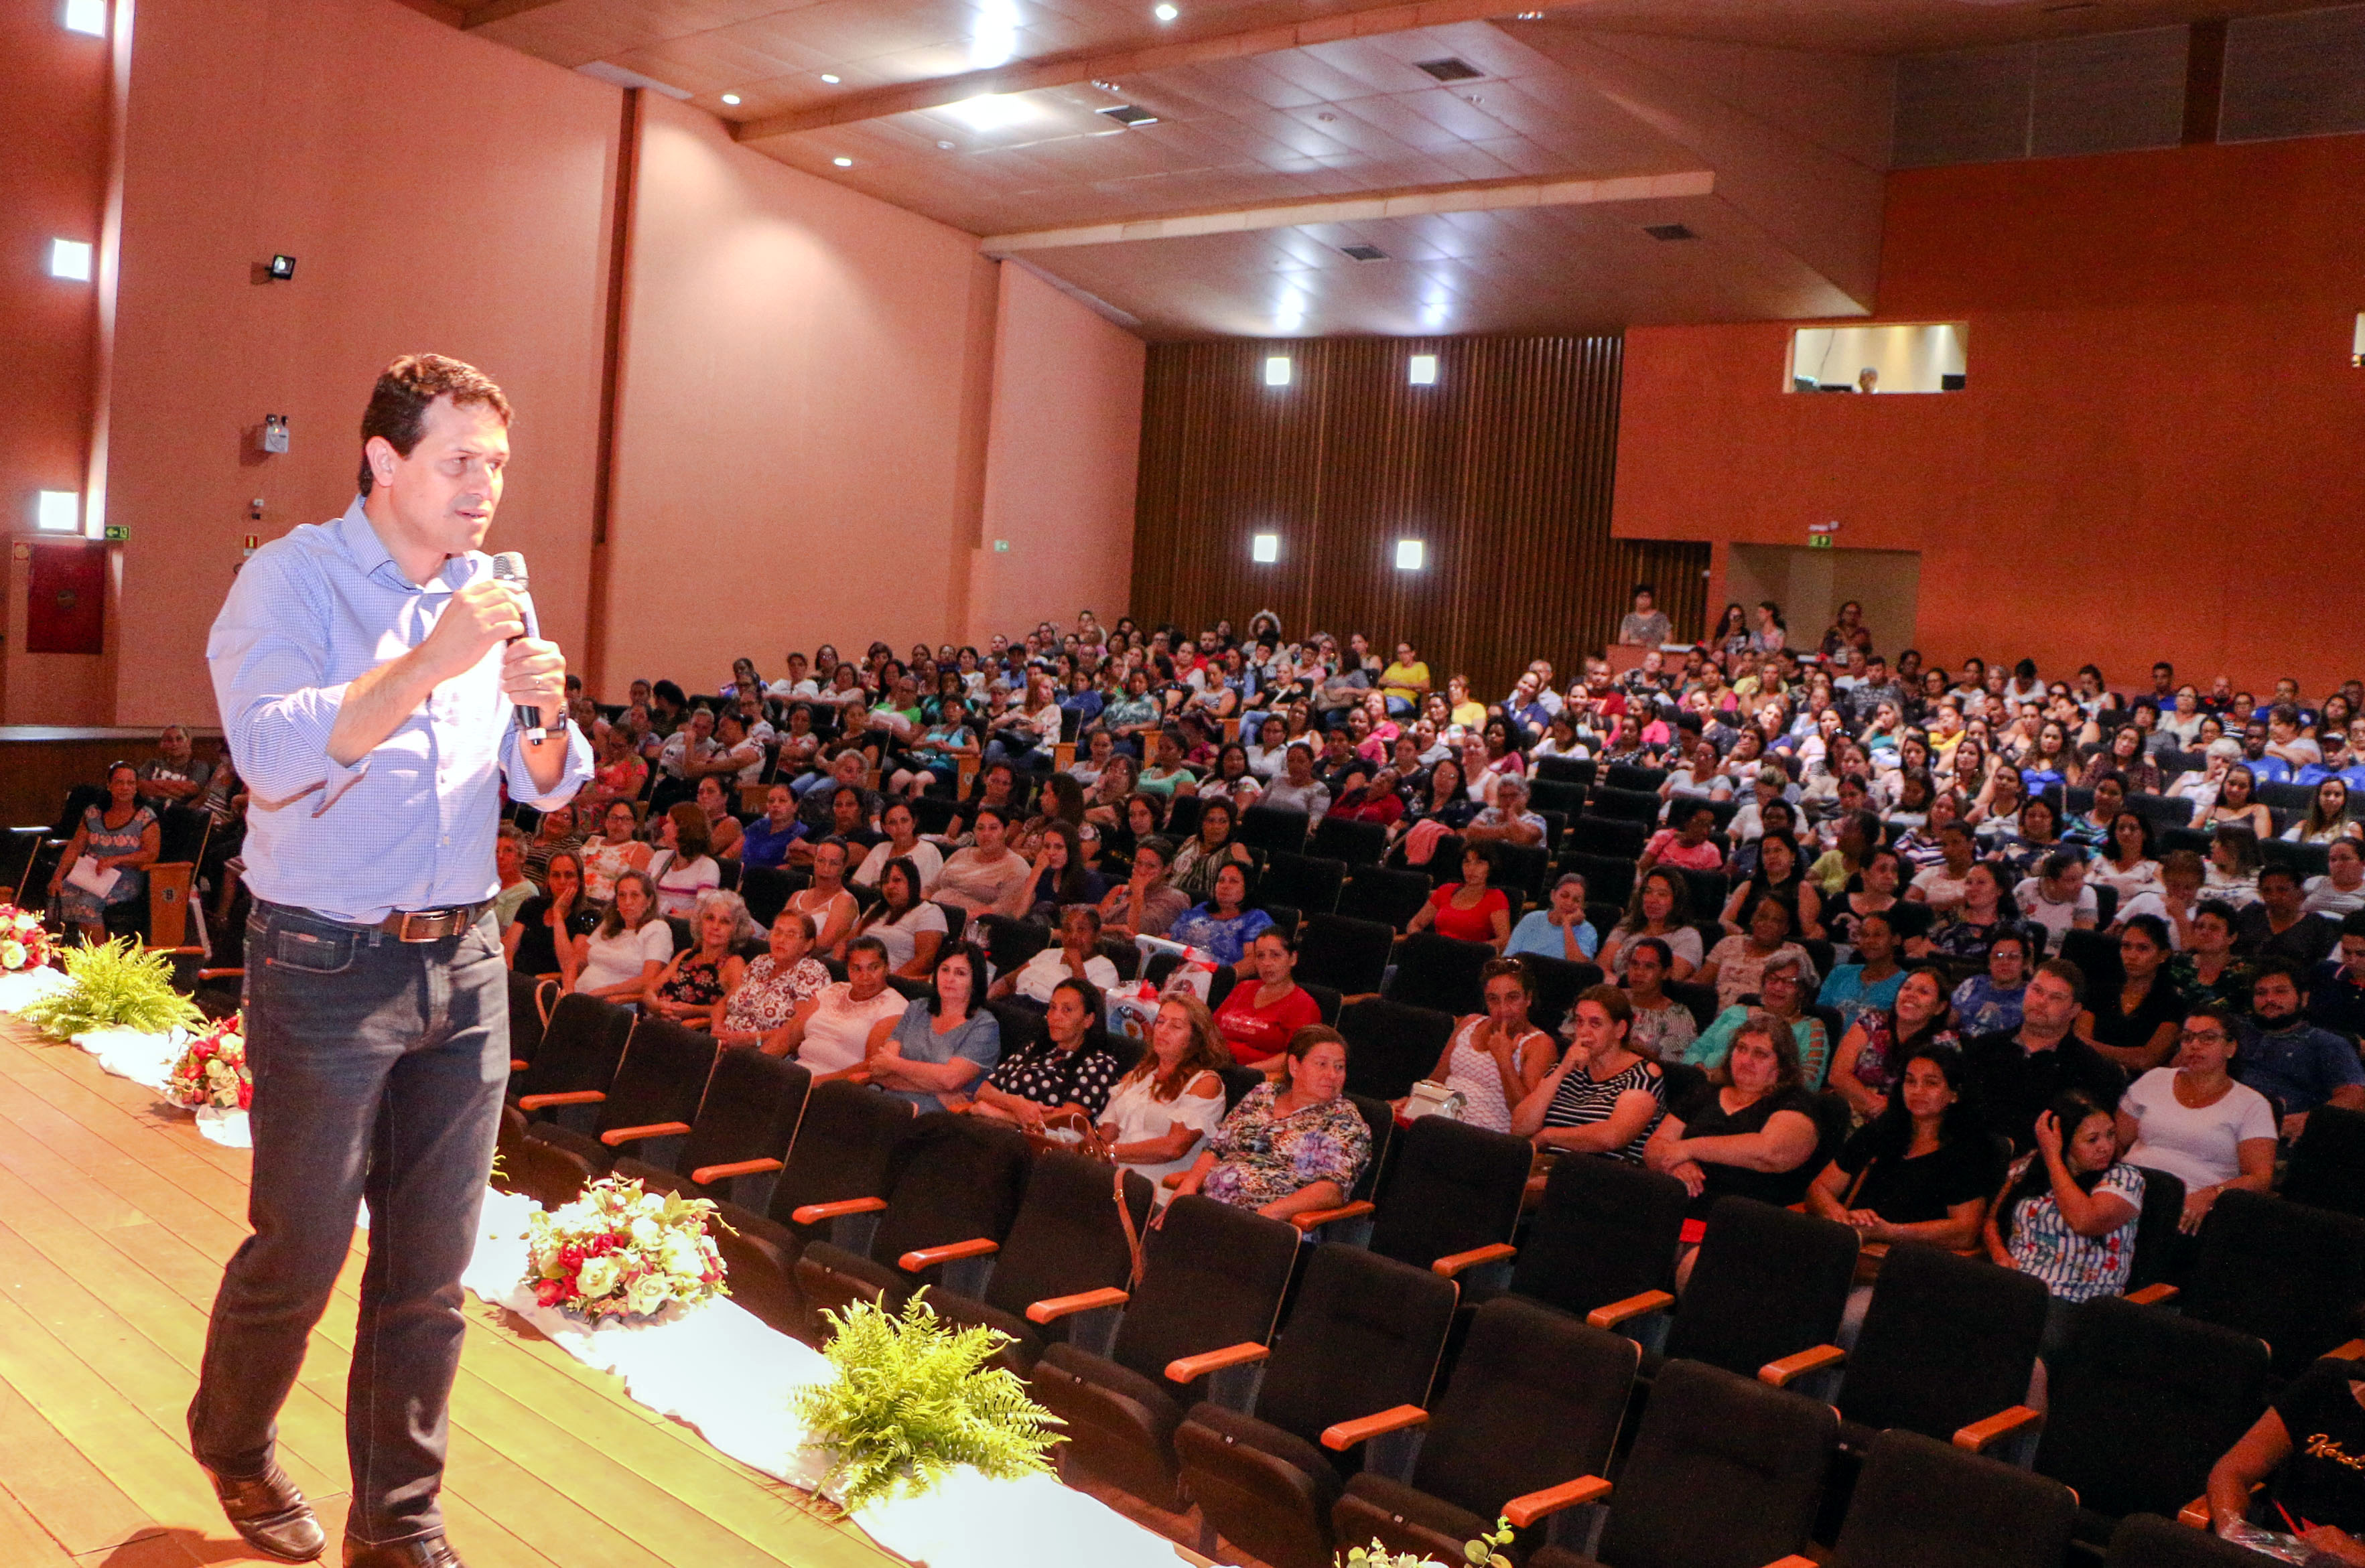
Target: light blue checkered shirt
{"type": "Point", "coordinates": [411, 825]}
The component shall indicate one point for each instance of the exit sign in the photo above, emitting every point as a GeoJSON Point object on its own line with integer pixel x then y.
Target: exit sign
{"type": "Point", "coordinates": [118, 532]}
{"type": "Point", "coordinates": [1819, 542]}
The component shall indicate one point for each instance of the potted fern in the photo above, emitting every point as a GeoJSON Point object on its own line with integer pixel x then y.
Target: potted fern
{"type": "Point", "coordinates": [118, 985]}
{"type": "Point", "coordinates": [913, 1398]}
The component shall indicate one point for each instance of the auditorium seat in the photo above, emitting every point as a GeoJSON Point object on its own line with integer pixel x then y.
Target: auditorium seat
{"type": "Point", "coordinates": [948, 1194]}
{"type": "Point", "coordinates": [1605, 1231]}
{"type": "Point", "coordinates": [1308, 883]}
{"type": "Point", "coordinates": [1500, 1431]}
{"type": "Point", "coordinates": [1558, 983]}
{"type": "Point", "coordinates": [1215, 1278]}
{"type": "Point", "coordinates": [1270, 828]}
{"type": "Point", "coordinates": [1356, 843]}
{"type": "Point", "coordinates": [1766, 1283]}
{"type": "Point", "coordinates": [1063, 1270]}
{"type": "Point", "coordinates": [1725, 1472]}
{"type": "Point", "coordinates": [2327, 1163]}
{"type": "Point", "coordinates": [1925, 1503]}
{"type": "Point", "coordinates": [1449, 1192]}
{"type": "Point", "coordinates": [657, 1089]}
{"type": "Point", "coordinates": [740, 1136]}
{"type": "Point", "coordinates": [1390, 1046]}
{"type": "Point", "coordinates": [1440, 973]}
{"type": "Point", "coordinates": [2147, 1540]}
{"type": "Point", "coordinates": [1356, 1361]}
{"type": "Point", "coordinates": [1385, 897]}
{"type": "Point", "coordinates": [1349, 955]}
{"type": "Point", "coordinates": [581, 1047]}
{"type": "Point", "coordinates": [2289, 1274]}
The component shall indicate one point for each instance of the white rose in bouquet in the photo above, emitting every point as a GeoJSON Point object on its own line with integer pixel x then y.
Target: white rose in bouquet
{"type": "Point", "coordinates": [684, 1256]}
{"type": "Point", "coordinates": [648, 1293]}
{"type": "Point", "coordinates": [598, 1277]}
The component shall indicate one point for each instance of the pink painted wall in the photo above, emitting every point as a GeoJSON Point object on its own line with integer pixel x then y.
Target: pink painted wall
{"type": "Point", "coordinates": [438, 192]}
{"type": "Point", "coordinates": [1061, 457]}
{"type": "Point", "coordinates": [801, 440]}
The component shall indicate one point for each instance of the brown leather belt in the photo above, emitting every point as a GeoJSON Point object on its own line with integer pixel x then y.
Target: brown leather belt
{"type": "Point", "coordinates": [432, 924]}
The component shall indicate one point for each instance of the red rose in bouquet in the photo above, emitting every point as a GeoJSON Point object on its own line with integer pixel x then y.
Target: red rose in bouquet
{"type": "Point", "coordinates": [212, 1070]}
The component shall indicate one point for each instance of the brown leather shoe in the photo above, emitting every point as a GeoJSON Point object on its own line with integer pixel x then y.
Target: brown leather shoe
{"type": "Point", "coordinates": [427, 1551]}
{"type": "Point", "coordinates": [271, 1515]}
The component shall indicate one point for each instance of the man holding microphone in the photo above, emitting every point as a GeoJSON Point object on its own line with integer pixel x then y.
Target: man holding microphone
{"type": "Point", "coordinates": [367, 671]}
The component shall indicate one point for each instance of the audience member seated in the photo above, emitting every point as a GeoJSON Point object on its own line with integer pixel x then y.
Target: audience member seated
{"type": "Point", "coordinates": [771, 987]}
{"type": "Point", "coordinates": [1472, 909]}
{"type": "Point", "coordinates": [614, 850]}
{"type": "Point", "coordinates": [981, 878]}
{"type": "Point", "coordinates": [1298, 789]}
{"type": "Point", "coordinates": [946, 1040]}
{"type": "Point", "coordinates": [2194, 1121]}
{"type": "Point", "coordinates": [1736, 964]}
{"type": "Point", "coordinates": [121, 837]}
{"type": "Point", "coordinates": [903, 842]}
{"type": "Point", "coordinates": [908, 928]}
{"type": "Point", "coordinates": [2010, 1076]}
{"type": "Point", "coordinates": [2302, 1468]}
{"type": "Point", "coordinates": [1990, 1002]}
{"type": "Point", "coordinates": [1058, 876]}
{"type": "Point", "coordinates": [1224, 925]}
{"type": "Point", "coordinates": [1749, 1131]}
{"type": "Point", "coordinates": [2234, 865]}
{"type": "Point", "coordinates": [1069, 1073]}
{"type": "Point", "coordinates": [698, 979]}
{"type": "Point", "coordinates": [1495, 1059]}
{"type": "Point", "coordinates": [1159, 1113]}
{"type": "Point", "coordinates": [1295, 1144]}
{"type": "Point", "coordinates": [1076, 955]}
{"type": "Point", "coordinates": [2057, 898]}
{"type": "Point", "coordinates": [1870, 983]}
{"type": "Point", "coordinates": [509, 869]}
{"type": "Point", "coordinates": [834, 1032]}
{"type": "Point", "coordinates": [2067, 1212]}
{"type": "Point", "coordinates": [2236, 803]}
{"type": "Point", "coordinates": [176, 776]}
{"type": "Point", "coordinates": [765, 841]}
{"type": "Point", "coordinates": [715, 799]}
{"type": "Point", "coordinates": [1921, 1170]}
{"type": "Point", "coordinates": [1783, 989]}
{"type": "Point", "coordinates": [544, 937]}
{"type": "Point", "coordinates": [1987, 913]}
{"type": "Point", "coordinates": [1258, 1021]}
{"type": "Point", "coordinates": [2135, 1025]}
{"type": "Point", "coordinates": [681, 867]}
{"type": "Point", "coordinates": [1662, 1027]}
{"type": "Point", "coordinates": [620, 957]}
{"type": "Point", "coordinates": [1941, 886]}
{"type": "Point", "coordinates": [2206, 969]}
{"type": "Point", "coordinates": [1209, 849]}
{"type": "Point", "coordinates": [1874, 892]}
{"type": "Point", "coordinates": [1660, 907]}
{"type": "Point", "coordinates": [1604, 1097]}
{"type": "Point", "coordinates": [1688, 844]}
{"type": "Point", "coordinates": [1508, 821]}
{"type": "Point", "coordinates": [2278, 926]}
{"type": "Point", "coordinates": [2336, 991]}
{"type": "Point", "coordinates": [1559, 930]}
{"type": "Point", "coordinates": [1145, 903]}
{"type": "Point", "coordinates": [2340, 891]}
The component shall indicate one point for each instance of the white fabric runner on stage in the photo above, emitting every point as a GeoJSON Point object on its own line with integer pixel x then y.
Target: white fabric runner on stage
{"type": "Point", "coordinates": [722, 1371]}
{"type": "Point", "coordinates": [22, 989]}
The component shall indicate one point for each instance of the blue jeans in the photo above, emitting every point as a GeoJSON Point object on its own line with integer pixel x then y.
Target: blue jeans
{"type": "Point", "coordinates": [379, 1067]}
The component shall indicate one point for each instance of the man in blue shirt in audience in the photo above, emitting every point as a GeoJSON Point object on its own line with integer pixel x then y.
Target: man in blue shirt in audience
{"type": "Point", "coordinates": [2289, 1061]}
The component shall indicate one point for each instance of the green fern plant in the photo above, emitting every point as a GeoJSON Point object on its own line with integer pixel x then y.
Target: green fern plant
{"type": "Point", "coordinates": [1479, 1553]}
{"type": "Point", "coordinates": [117, 985]}
{"type": "Point", "coordinates": [913, 1398]}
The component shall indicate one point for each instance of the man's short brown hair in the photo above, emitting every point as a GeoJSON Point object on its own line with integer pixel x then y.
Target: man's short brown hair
{"type": "Point", "coordinates": [397, 404]}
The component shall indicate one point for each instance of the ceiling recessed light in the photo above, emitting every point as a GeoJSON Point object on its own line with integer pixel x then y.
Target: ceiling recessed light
{"type": "Point", "coordinates": [1449, 69]}
{"type": "Point", "coordinates": [58, 511]}
{"type": "Point", "coordinates": [1364, 253]}
{"type": "Point", "coordinates": [86, 16]}
{"type": "Point", "coordinates": [1421, 370]}
{"type": "Point", "coordinates": [730, 97]}
{"type": "Point", "coordinates": [1107, 86]}
{"type": "Point", "coordinates": [70, 260]}
{"type": "Point", "coordinates": [831, 77]}
{"type": "Point", "coordinates": [1411, 554]}
{"type": "Point", "coordinates": [990, 111]}
{"type": "Point", "coordinates": [1264, 548]}
{"type": "Point", "coordinates": [1276, 370]}
{"type": "Point", "coordinates": [842, 163]}
{"type": "Point", "coordinates": [1164, 12]}
{"type": "Point", "coordinates": [1129, 114]}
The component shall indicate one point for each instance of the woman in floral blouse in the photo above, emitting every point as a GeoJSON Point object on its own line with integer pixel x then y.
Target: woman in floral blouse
{"type": "Point", "coordinates": [786, 975]}
{"type": "Point", "coordinates": [1291, 1145]}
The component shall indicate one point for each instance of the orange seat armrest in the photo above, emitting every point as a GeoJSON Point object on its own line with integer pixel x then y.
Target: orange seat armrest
{"type": "Point", "coordinates": [813, 1214]}
{"type": "Point", "coordinates": [1634, 1307]}
{"type": "Point", "coordinates": [921, 1258]}
{"type": "Point", "coordinates": [2152, 1295]}
{"type": "Point", "coordinates": [706, 1175]}
{"type": "Point", "coordinates": [1783, 1373]}
{"type": "Point", "coordinates": [2196, 1514]}
{"type": "Point", "coordinates": [1525, 1511]}
{"type": "Point", "coordinates": [1058, 1306]}
{"type": "Point", "coordinates": [1793, 1561]}
{"type": "Point", "coordinates": [1347, 1434]}
{"type": "Point", "coordinates": [519, 1064]}
{"type": "Point", "coordinates": [2352, 1351]}
{"type": "Point", "coordinates": [1452, 1263]}
{"type": "Point", "coordinates": [1308, 1219]}
{"type": "Point", "coordinates": [571, 1097]}
{"type": "Point", "coordinates": [615, 1137]}
{"type": "Point", "coordinates": [2003, 1423]}
{"type": "Point", "coordinates": [1191, 1369]}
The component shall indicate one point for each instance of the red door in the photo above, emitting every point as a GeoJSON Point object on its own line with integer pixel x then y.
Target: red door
{"type": "Point", "coordinates": [65, 598]}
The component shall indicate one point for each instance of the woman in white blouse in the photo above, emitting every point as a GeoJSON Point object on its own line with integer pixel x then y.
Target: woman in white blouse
{"type": "Point", "coordinates": [622, 958]}
{"type": "Point", "coordinates": [1160, 1112]}
{"type": "Point", "coordinates": [2195, 1122]}
{"type": "Point", "coordinates": [681, 868]}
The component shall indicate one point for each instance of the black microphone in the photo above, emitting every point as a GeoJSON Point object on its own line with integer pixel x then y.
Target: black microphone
{"type": "Point", "coordinates": [509, 567]}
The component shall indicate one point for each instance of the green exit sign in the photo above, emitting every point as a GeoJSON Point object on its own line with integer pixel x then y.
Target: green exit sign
{"type": "Point", "coordinates": [1819, 542]}
{"type": "Point", "coordinates": [117, 532]}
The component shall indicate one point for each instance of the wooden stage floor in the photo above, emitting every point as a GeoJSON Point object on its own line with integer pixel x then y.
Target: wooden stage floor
{"type": "Point", "coordinates": [115, 1220]}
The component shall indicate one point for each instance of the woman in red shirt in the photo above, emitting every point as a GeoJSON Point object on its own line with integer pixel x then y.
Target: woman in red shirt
{"type": "Point", "coordinates": [1471, 910]}
{"type": "Point", "coordinates": [1257, 1019]}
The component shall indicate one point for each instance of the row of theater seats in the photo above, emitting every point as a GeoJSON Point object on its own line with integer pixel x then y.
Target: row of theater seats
{"type": "Point", "coordinates": [1431, 1356]}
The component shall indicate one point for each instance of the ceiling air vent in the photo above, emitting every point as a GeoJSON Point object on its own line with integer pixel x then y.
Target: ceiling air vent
{"type": "Point", "coordinates": [1364, 252]}
{"type": "Point", "coordinates": [1130, 114]}
{"type": "Point", "coordinates": [1668, 231]}
{"type": "Point", "coordinates": [1449, 70]}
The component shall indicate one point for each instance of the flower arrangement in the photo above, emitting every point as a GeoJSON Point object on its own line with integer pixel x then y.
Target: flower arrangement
{"type": "Point", "coordinates": [117, 985]}
{"type": "Point", "coordinates": [1479, 1553]}
{"type": "Point", "coordinates": [24, 940]}
{"type": "Point", "coordinates": [619, 1251]}
{"type": "Point", "coordinates": [212, 1070]}
{"type": "Point", "coordinates": [913, 1398]}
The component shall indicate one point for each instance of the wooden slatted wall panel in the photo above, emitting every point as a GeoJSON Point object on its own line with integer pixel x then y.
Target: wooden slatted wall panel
{"type": "Point", "coordinates": [1503, 468]}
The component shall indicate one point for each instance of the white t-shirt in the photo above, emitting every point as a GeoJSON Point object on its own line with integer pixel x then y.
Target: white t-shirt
{"type": "Point", "coordinates": [2153, 904]}
{"type": "Point", "coordinates": [926, 858]}
{"type": "Point", "coordinates": [1138, 1116]}
{"type": "Point", "coordinates": [679, 885]}
{"type": "Point", "coordinates": [2325, 899]}
{"type": "Point", "coordinates": [2131, 884]}
{"type": "Point", "coordinates": [613, 960]}
{"type": "Point", "coordinates": [2197, 1146]}
{"type": "Point", "coordinates": [1940, 886]}
{"type": "Point", "coordinates": [900, 936]}
{"type": "Point", "coordinates": [2056, 918]}
{"type": "Point", "coordinates": [840, 1027]}
{"type": "Point", "coordinates": [1041, 974]}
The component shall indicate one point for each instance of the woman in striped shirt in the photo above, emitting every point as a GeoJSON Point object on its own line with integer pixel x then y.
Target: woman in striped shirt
{"type": "Point", "coordinates": [1603, 1098]}
{"type": "Point", "coordinates": [2068, 1215]}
